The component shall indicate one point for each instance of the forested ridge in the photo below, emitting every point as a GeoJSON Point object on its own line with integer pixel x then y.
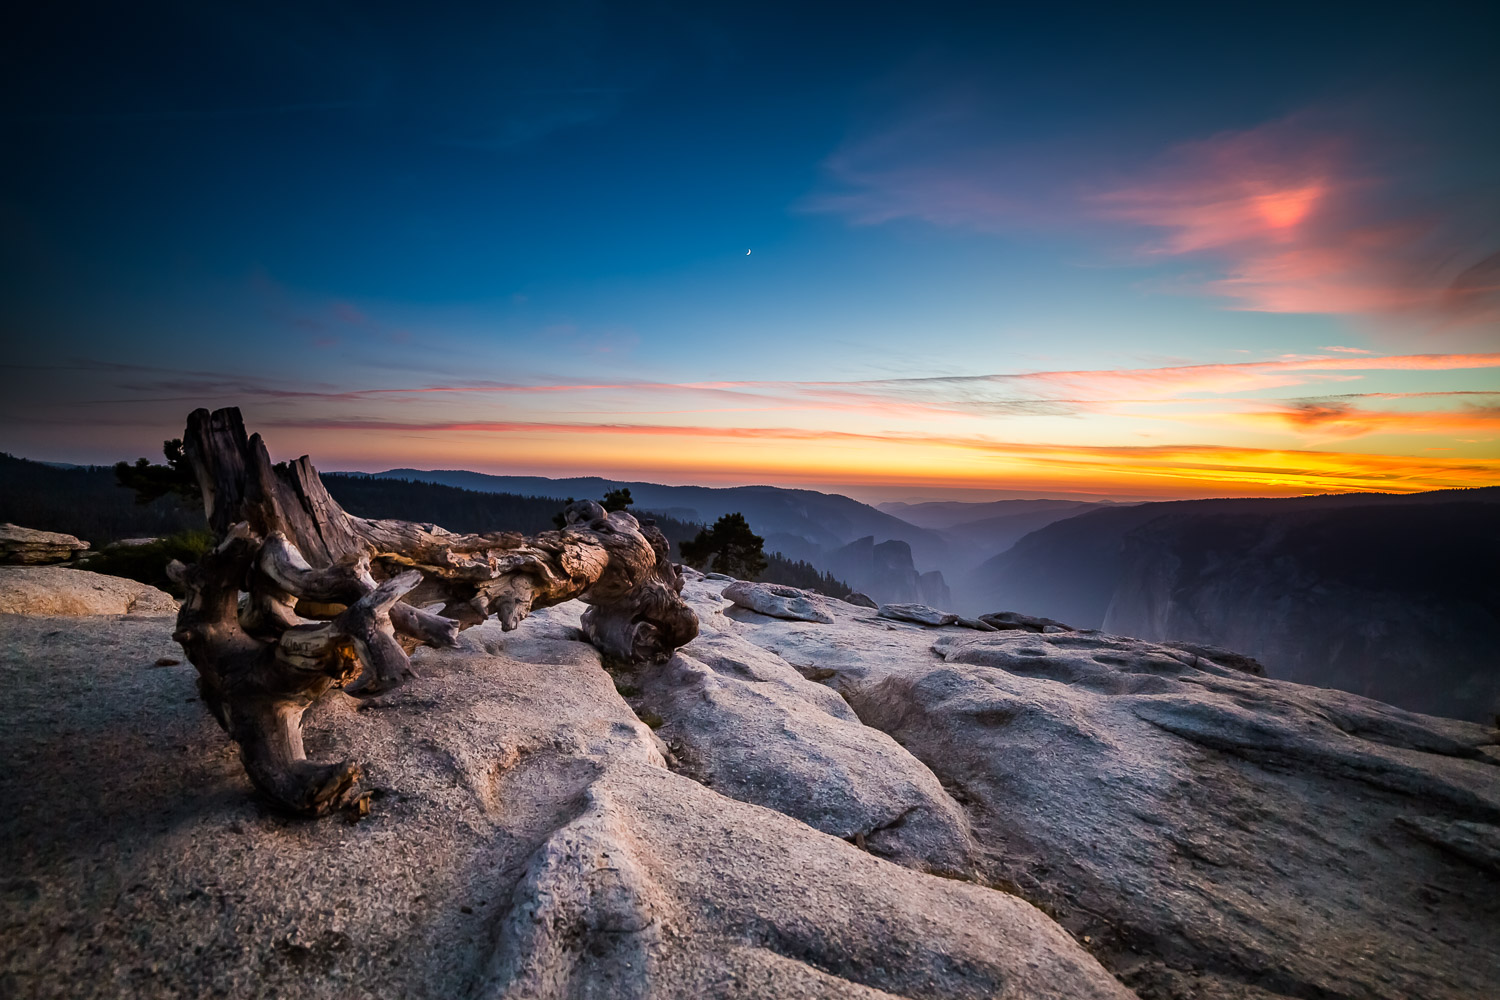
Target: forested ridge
{"type": "Point", "coordinates": [87, 501]}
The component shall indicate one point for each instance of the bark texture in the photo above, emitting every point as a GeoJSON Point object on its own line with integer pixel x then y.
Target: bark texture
{"type": "Point", "coordinates": [286, 552]}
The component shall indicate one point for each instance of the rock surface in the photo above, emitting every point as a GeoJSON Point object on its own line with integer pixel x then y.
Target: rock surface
{"type": "Point", "coordinates": [746, 724]}
{"type": "Point", "coordinates": [919, 614]}
{"type": "Point", "coordinates": [530, 843]}
{"type": "Point", "coordinates": [29, 547]}
{"type": "Point", "coordinates": [1003, 621]}
{"type": "Point", "coordinates": [777, 601]}
{"type": "Point", "coordinates": [1202, 832]}
{"type": "Point", "coordinates": [59, 591]}
{"type": "Point", "coordinates": [1210, 832]}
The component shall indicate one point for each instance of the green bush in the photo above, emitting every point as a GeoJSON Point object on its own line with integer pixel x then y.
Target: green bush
{"type": "Point", "coordinates": [148, 563]}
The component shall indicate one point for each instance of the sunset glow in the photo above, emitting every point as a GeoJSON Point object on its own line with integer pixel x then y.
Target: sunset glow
{"type": "Point", "coordinates": [1138, 277]}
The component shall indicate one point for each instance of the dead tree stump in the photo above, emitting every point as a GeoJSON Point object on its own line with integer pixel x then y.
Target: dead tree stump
{"type": "Point", "coordinates": [286, 552]}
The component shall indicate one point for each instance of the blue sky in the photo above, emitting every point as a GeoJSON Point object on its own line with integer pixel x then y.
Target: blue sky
{"type": "Point", "coordinates": [278, 206]}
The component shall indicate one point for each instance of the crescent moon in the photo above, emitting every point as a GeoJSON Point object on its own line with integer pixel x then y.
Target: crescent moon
{"type": "Point", "coordinates": [747, 253]}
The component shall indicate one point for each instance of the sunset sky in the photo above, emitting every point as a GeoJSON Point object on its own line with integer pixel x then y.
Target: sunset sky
{"type": "Point", "coordinates": [1215, 251]}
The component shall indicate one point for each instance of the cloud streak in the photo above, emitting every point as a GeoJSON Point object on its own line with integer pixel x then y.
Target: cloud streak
{"type": "Point", "coordinates": [1039, 393]}
{"type": "Point", "coordinates": [1205, 429]}
{"type": "Point", "coordinates": [1310, 213]}
{"type": "Point", "coordinates": [1300, 226]}
{"type": "Point", "coordinates": [912, 456]}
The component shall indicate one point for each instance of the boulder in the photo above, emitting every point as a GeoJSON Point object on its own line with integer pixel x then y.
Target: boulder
{"type": "Point", "coordinates": [746, 724]}
{"type": "Point", "coordinates": [29, 547]}
{"type": "Point", "coordinates": [63, 592]}
{"type": "Point", "coordinates": [920, 614]}
{"type": "Point", "coordinates": [777, 601]}
{"type": "Point", "coordinates": [1012, 621]}
{"type": "Point", "coordinates": [860, 600]}
{"type": "Point", "coordinates": [1223, 657]}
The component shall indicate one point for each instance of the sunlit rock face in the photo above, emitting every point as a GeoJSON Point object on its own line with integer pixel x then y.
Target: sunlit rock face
{"type": "Point", "coordinates": [61, 591]}
{"type": "Point", "coordinates": [21, 546]}
{"type": "Point", "coordinates": [851, 806]}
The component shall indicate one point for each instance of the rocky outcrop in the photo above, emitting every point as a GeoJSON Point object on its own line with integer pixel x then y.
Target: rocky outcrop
{"type": "Point", "coordinates": [745, 723]}
{"type": "Point", "coordinates": [1012, 621]}
{"type": "Point", "coordinates": [1208, 832]}
{"type": "Point", "coordinates": [918, 614]}
{"type": "Point", "coordinates": [28, 547]}
{"type": "Point", "coordinates": [529, 843]}
{"type": "Point", "coordinates": [62, 592]}
{"type": "Point", "coordinates": [777, 601]}
{"type": "Point", "coordinates": [852, 808]}
{"type": "Point", "coordinates": [885, 571]}
{"type": "Point", "coordinates": [931, 588]}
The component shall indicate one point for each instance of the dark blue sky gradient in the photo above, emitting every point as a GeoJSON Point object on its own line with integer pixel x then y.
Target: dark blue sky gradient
{"type": "Point", "coordinates": [567, 191]}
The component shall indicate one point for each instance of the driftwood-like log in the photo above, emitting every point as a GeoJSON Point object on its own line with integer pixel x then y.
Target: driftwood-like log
{"type": "Point", "coordinates": [285, 552]}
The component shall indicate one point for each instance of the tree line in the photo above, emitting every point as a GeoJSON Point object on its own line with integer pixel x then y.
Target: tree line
{"type": "Point", "coordinates": [103, 504]}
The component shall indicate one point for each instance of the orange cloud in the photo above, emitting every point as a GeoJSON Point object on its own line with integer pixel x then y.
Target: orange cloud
{"type": "Point", "coordinates": [1346, 420]}
{"type": "Point", "coordinates": [789, 454]}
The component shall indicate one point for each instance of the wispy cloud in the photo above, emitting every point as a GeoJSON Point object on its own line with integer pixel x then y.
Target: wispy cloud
{"type": "Point", "coordinates": [1343, 419]}
{"type": "Point", "coordinates": [1305, 214]}
{"type": "Point", "coordinates": [1170, 430]}
{"type": "Point", "coordinates": [1077, 391]}
{"type": "Point", "coordinates": [1301, 222]}
{"type": "Point", "coordinates": [937, 163]}
{"type": "Point", "coordinates": [1036, 393]}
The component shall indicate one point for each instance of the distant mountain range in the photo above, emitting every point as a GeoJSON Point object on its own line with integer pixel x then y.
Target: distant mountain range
{"type": "Point", "coordinates": [975, 532]}
{"type": "Point", "coordinates": [801, 524]}
{"type": "Point", "coordinates": [1395, 597]}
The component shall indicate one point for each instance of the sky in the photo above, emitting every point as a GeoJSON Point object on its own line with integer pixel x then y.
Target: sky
{"type": "Point", "coordinates": [896, 251]}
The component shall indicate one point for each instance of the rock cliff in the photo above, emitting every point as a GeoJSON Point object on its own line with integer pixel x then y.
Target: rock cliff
{"type": "Point", "coordinates": [886, 572]}
{"type": "Point", "coordinates": [1391, 597]}
{"type": "Point", "coordinates": [856, 807]}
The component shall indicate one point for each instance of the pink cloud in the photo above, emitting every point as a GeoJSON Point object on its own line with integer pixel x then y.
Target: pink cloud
{"type": "Point", "coordinates": [1319, 212]}
{"type": "Point", "coordinates": [1300, 223]}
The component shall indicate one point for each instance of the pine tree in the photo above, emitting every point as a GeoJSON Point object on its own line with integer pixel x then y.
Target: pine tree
{"type": "Point", "coordinates": [152, 482]}
{"type": "Point", "coordinates": [617, 499]}
{"type": "Point", "coordinates": [729, 547]}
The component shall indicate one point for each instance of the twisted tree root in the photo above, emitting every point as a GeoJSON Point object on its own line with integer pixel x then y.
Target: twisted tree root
{"type": "Point", "coordinates": [288, 546]}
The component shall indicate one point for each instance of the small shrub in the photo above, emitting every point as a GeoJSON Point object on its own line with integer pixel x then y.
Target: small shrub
{"type": "Point", "coordinates": [148, 563]}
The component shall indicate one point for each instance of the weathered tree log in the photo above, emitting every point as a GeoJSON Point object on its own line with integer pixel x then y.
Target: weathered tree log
{"type": "Point", "coordinates": [294, 553]}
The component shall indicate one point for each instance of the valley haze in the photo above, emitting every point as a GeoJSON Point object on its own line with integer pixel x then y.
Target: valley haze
{"type": "Point", "coordinates": [1390, 596]}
